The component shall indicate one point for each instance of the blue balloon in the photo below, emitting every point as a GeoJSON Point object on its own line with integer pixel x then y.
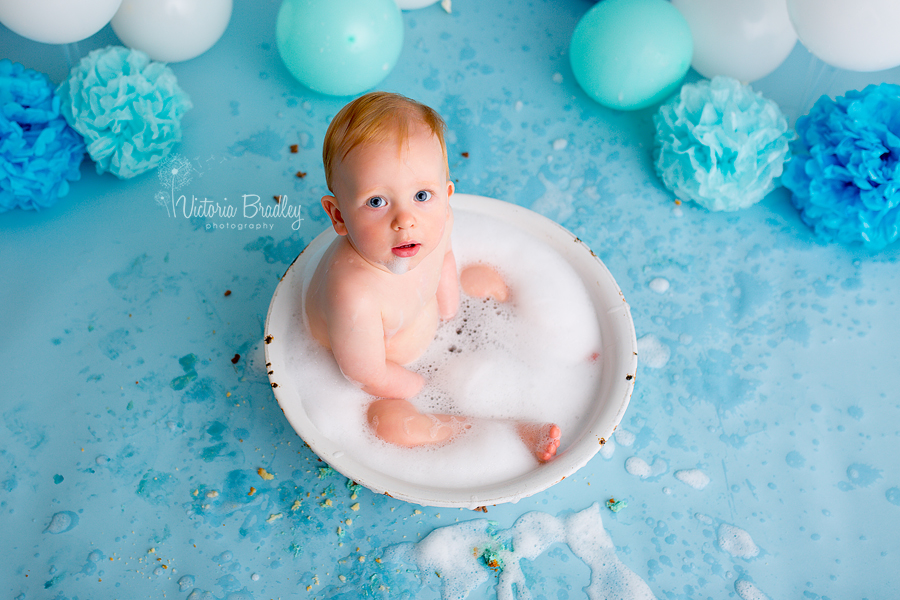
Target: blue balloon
{"type": "Point", "coordinates": [339, 47]}
{"type": "Point", "coordinates": [630, 54]}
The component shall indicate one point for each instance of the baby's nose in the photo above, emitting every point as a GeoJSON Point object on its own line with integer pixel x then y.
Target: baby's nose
{"type": "Point", "coordinates": [403, 219]}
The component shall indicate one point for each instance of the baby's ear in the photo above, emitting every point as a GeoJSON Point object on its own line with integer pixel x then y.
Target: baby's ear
{"type": "Point", "coordinates": [450, 188]}
{"type": "Point", "coordinates": [329, 203]}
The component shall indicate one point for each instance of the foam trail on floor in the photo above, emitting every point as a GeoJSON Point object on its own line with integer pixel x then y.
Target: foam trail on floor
{"type": "Point", "coordinates": [465, 555]}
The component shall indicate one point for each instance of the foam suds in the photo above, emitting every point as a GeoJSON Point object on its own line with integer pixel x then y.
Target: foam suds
{"type": "Point", "coordinates": [748, 591]}
{"type": "Point", "coordinates": [695, 478]}
{"type": "Point", "coordinates": [624, 437]}
{"type": "Point", "coordinates": [653, 352]}
{"type": "Point", "coordinates": [640, 468]}
{"type": "Point", "coordinates": [607, 450]}
{"type": "Point", "coordinates": [448, 553]}
{"type": "Point", "coordinates": [660, 285]}
{"type": "Point", "coordinates": [532, 358]}
{"type": "Point", "coordinates": [637, 467]}
{"type": "Point", "coordinates": [736, 542]}
{"type": "Point", "coordinates": [398, 265]}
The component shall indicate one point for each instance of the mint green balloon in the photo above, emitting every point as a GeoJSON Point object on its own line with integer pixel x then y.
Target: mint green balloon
{"type": "Point", "coordinates": [630, 54]}
{"type": "Point", "coordinates": [339, 47]}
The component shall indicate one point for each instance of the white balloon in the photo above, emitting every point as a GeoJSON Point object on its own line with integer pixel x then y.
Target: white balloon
{"type": "Point", "coordinates": [57, 21]}
{"type": "Point", "coordinates": [744, 39]}
{"type": "Point", "coordinates": [413, 4]}
{"type": "Point", "coordinates": [172, 30]}
{"type": "Point", "coordinates": [857, 35]}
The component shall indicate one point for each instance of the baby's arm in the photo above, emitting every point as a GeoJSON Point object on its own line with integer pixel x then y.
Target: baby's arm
{"type": "Point", "coordinates": [448, 288]}
{"type": "Point", "coordinates": [356, 337]}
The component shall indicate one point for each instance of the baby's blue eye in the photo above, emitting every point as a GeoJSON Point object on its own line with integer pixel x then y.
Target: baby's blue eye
{"type": "Point", "coordinates": [423, 195]}
{"type": "Point", "coordinates": [376, 202]}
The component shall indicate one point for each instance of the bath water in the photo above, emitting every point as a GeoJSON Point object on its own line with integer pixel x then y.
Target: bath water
{"type": "Point", "coordinates": [532, 358]}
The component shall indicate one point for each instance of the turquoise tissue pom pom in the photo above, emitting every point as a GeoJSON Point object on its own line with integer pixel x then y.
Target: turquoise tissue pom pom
{"type": "Point", "coordinates": [127, 107]}
{"type": "Point", "coordinates": [39, 152]}
{"type": "Point", "coordinates": [720, 144]}
{"type": "Point", "coordinates": [844, 172]}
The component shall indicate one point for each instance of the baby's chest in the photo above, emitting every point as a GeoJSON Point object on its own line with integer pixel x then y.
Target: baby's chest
{"type": "Point", "coordinates": [409, 308]}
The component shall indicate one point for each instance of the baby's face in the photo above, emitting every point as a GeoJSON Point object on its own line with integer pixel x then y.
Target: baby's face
{"type": "Point", "coordinates": [392, 201]}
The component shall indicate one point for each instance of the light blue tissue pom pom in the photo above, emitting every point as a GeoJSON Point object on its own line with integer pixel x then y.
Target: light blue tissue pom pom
{"type": "Point", "coordinates": [39, 152]}
{"type": "Point", "coordinates": [127, 107]}
{"type": "Point", "coordinates": [720, 144]}
{"type": "Point", "coordinates": [844, 172]}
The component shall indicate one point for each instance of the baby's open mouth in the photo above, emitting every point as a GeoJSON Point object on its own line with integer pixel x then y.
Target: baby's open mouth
{"type": "Point", "coordinates": [406, 250]}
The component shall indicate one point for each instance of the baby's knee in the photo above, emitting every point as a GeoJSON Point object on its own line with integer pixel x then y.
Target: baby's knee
{"type": "Point", "coordinates": [483, 281]}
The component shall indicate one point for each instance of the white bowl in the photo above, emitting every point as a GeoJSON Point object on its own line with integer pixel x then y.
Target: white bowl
{"type": "Point", "coordinates": [617, 364]}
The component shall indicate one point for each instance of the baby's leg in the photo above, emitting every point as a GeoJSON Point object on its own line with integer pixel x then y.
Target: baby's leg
{"type": "Point", "coordinates": [541, 438]}
{"type": "Point", "coordinates": [482, 281]}
{"type": "Point", "coordinates": [398, 422]}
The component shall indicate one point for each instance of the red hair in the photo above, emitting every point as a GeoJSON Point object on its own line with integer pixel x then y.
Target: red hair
{"type": "Point", "coordinates": [376, 117]}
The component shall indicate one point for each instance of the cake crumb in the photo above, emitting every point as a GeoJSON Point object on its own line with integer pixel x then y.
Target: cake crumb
{"type": "Point", "coordinates": [616, 505]}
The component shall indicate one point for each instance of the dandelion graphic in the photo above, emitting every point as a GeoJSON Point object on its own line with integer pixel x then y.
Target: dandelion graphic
{"type": "Point", "coordinates": [174, 173]}
{"type": "Point", "coordinates": [163, 200]}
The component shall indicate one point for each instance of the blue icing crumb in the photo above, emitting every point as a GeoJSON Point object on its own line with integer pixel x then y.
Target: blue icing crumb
{"type": "Point", "coordinates": [187, 363]}
{"type": "Point", "coordinates": [216, 430]}
{"type": "Point", "coordinates": [53, 581]}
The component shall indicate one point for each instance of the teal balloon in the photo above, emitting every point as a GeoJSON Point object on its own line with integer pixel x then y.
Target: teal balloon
{"type": "Point", "coordinates": [339, 47]}
{"type": "Point", "coordinates": [630, 54]}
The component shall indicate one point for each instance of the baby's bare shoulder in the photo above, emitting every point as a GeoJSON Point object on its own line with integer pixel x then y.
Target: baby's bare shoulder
{"type": "Point", "coordinates": [348, 284]}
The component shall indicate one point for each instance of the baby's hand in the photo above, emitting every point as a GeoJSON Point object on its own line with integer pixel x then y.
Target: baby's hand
{"type": "Point", "coordinates": [482, 281]}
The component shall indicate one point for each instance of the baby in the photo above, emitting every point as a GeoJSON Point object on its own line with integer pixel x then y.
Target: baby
{"type": "Point", "coordinates": [384, 285]}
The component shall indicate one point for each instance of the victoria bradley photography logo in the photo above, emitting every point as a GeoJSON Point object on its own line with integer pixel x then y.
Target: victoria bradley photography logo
{"type": "Point", "coordinates": [247, 212]}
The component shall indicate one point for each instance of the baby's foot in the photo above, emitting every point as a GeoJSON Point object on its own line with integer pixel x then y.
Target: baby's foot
{"type": "Point", "coordinates": [541, 438]}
